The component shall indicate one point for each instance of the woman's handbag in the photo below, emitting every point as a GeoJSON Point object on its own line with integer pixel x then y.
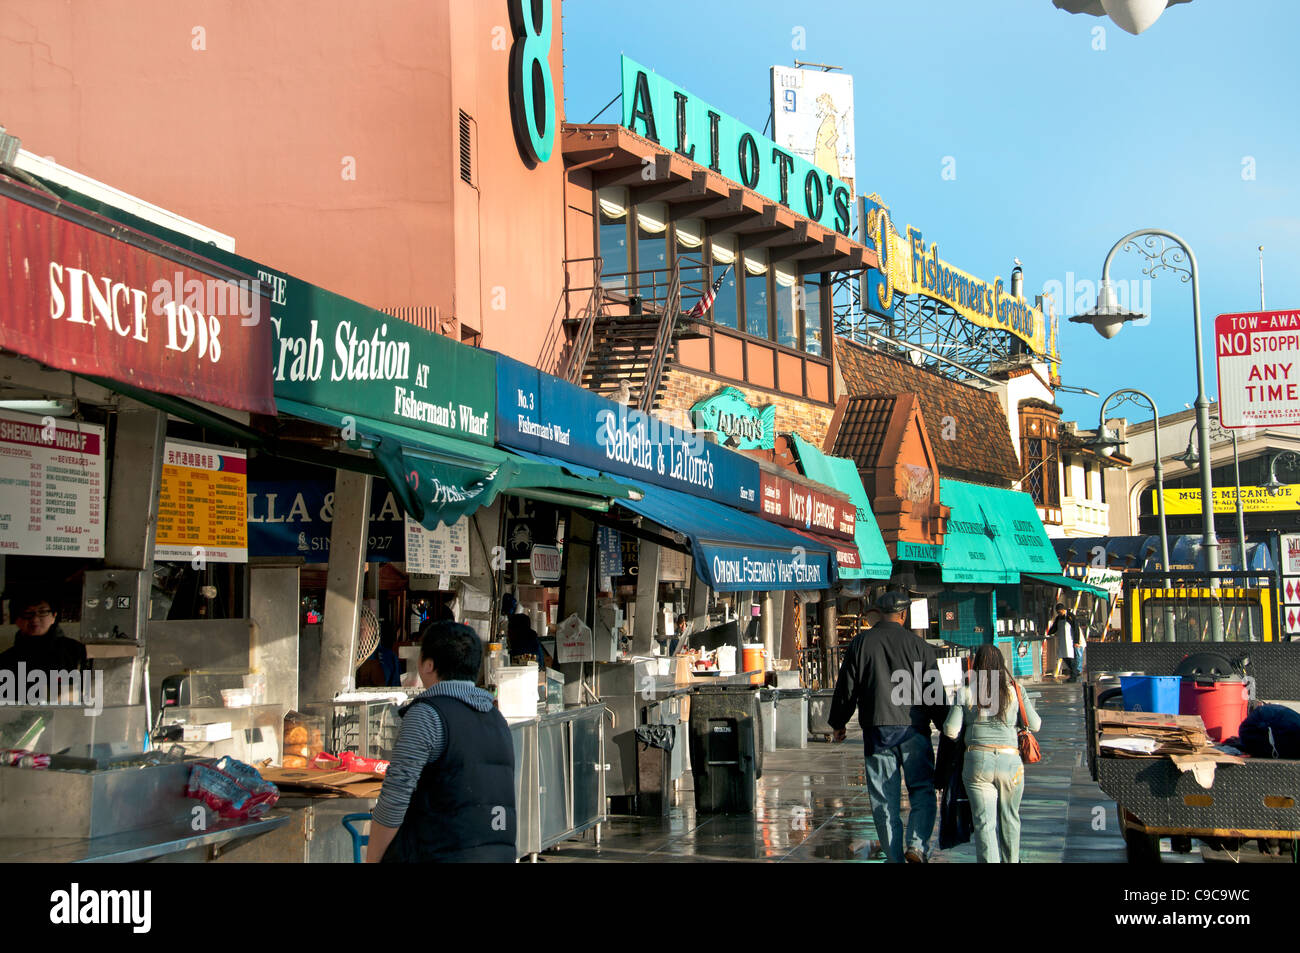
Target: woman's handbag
{"type": "Point", "coordinates": [1030, 753]}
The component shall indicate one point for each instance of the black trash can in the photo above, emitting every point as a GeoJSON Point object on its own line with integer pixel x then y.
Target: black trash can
{"type": "Point", "coordinates": [654, 759]}
{"type": "Point", "coordinates": [726, 749]}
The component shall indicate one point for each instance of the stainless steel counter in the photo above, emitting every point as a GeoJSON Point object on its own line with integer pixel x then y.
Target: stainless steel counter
{"type": "Point", "coordinates": [150, 844]}
{"type": "Point", "coordinates": [559, 776]}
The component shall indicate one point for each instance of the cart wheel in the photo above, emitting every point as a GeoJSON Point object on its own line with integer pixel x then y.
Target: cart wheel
{"type": "Point", "coordinates": [1141, 847]}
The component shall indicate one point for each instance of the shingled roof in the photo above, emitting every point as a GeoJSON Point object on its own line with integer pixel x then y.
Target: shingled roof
{"type": "Point", "coordinates": [980, 448]}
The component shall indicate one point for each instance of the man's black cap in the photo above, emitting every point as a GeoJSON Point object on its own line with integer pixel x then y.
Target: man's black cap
{"type": "Point", "coordinates": [891, 602]}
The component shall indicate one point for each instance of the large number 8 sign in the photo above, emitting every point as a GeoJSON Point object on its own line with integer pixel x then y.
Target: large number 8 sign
{"type": "Point", "coordinates": [532, 91]}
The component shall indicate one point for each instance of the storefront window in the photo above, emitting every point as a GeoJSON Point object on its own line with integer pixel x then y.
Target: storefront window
{"type": "Point", "coordinates": [812, 315]}
{"type": "Point", "coordinates": [756, 317]}
{"type": "Point", "coordinates": [652, 246]}
{"type": "Point", "coordinates": [613, 238]}
{"type": "Point", "coordinates": [788, 292]}
{"type": "Point", "coordinates": [726, 311]}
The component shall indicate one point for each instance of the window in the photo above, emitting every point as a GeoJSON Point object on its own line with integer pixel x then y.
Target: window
{"type": "Point", "coordinates": [812, 315]}
{"type": "Point", "coordinates": [788, 294]}
{"type": "Point", "coordinates": [652, 246]}
{"type": "Point", "coordinates": [726, 310]}
{"type": "Point", "coordinates": [1087, 480]}
{"type": "Point", "coordinates": [1101, 480]}
{"type": "Point", "coordinates": [1066, 466]}
{"type": "Point", "coordinates": [1040, 458]}
{"type": "Point", "coordinates": [612, 238]}
{"type": "Point", "coordinates": [756, 317]}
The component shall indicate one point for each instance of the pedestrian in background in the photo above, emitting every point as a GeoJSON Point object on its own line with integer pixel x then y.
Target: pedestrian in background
{"type": "Point", "coordinates": [988, 709]}
{"type": "Point", "coordinates": [1066, 629]}
{"type": "Point", "coordinates": [895, 716]}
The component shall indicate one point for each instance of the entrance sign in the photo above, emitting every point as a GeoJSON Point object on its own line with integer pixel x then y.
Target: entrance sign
{"type": "Point", "coordinates": [1259, 368]}
{"type": "Point", "coordinates": [79, 300]}
{"type": "Point", "coordinates": [545, 563]}
{"type": "Point", "coordinates": [202, 504]}
{"type": "Point", "coordinates": [51, 487]}
{"type": "Point", "coordinates": [671, 117]}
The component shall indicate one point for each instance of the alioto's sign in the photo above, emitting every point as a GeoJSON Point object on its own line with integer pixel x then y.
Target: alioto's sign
{"type": "Point", "coordinates": [668, 115]}
{"type": "Point", "coordinates": [740, 424]}
{"type": "Point", "coordinates": [907, 267]}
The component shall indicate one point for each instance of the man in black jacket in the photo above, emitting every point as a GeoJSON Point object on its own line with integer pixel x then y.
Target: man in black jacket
{"type": "Point", "coordinates": [449, 794]}
{"type": "Point", "coordinates": [892, 678]}
{"type": "Point", "coordinates": [39, 643]}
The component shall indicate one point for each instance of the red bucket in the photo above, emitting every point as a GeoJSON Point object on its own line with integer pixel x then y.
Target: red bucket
{"type": "Point", "coordinates": [1221, 703]}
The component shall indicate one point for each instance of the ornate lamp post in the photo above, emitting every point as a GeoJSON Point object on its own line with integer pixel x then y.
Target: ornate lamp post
{"type": "Point", "coordinates": [1107, 442]}
{"type": "Point", "coordinates": [1166, 251]}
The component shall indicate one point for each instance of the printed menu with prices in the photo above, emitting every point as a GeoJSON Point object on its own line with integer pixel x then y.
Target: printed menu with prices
{"type": "Point", "coordinates": [440, 552]}
{"type": "Point", "coordinates": [51, 486]}
{"type": "Point", "coordinates": [202, 504]}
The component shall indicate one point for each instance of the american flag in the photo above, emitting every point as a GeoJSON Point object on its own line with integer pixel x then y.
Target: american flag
{"type": "Point", "coordinates": [706, 300]}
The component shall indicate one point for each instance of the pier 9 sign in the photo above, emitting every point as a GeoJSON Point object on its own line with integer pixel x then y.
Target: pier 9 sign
{"type": "Point", "coordinates": [1259, 368]}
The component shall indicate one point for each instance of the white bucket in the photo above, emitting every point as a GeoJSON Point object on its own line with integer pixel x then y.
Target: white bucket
{"type": "Point", "coordinates": [726, 660]}
{"type": "Point", "coordinates": [517, 691]}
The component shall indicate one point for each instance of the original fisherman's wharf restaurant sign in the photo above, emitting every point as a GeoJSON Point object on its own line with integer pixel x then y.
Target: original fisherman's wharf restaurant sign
{"type": "Point", "coordinates": [549, 416]}
{"type": "Point", "coordinates": [671, 117]}
{"type": "Point", "coordinates": [80, 300]}
{"type": "Point", "coordinates": [738, 423]}
{"type": "Point", "coordinates": [907, 267]}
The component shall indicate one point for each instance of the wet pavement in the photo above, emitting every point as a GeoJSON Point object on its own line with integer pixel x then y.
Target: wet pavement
{"type": "Point", "coordinates": [812, 805]}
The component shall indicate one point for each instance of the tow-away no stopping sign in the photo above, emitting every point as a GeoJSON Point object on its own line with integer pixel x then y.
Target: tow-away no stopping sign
{"type": "Point", "coordinates": [1259, 368]}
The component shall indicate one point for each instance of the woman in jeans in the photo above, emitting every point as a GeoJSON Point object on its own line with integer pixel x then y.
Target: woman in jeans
{"type": "Point", "coordinates": [988, 709]}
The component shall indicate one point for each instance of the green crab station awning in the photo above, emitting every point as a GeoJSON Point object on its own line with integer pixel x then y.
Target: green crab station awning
{"type": "Point", "coordinates": [438, 479]}
{"type": "Point", "coordinates": [1065, 582]}
{"type": "Point", "coordinates": [842, 475]}
{"type": "Point", "coordinates": [732, 551]}
{"type": "Point", "coordinates": [992, 535]}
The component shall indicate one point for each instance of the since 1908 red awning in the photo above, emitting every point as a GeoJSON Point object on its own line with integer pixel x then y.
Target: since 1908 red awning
{"type": "Point", "coordinates": [81, 300]}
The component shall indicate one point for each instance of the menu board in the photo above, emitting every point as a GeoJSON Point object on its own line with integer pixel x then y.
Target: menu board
{"type": "Point", "coordinates": [51, 487]}
{"type": "Point", "coordinates": [440, 552]}
{"type": "Point", "coordinates": [202, 504]}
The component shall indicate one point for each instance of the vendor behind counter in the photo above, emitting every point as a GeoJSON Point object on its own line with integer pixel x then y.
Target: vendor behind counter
{"type": "Point", "coordinates": [39, 643]}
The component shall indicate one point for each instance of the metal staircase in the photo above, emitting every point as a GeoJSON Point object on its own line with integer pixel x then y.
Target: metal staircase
{"type": "Point", "coordinates": [626, 333]}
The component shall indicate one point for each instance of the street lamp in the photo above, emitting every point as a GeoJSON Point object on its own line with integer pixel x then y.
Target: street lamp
{"type": "Point", "coordinates": [1191, 456]}
{"type": "Point", "coordinates": [1107, 441]}
{"type": "Point", "coordinates": [1274, 485]}
{"type": "Point", "coordinates": [1108, 318]}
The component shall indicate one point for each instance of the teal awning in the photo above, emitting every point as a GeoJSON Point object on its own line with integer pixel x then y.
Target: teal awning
{"type": "Point", "coordinates": [970, 549]}
{"type": "Point", "coordinates": [438, 479]}
{"type": "Point", "coordinates": [992, 535]}
{"type": "Point", "coordinates": [1065, 582]}
{"type": "Point", "coordinates": [842, 475]}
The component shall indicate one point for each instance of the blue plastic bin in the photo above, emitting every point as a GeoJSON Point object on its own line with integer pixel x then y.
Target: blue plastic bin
{"type": "Point", "coordinates": [1151, 693]}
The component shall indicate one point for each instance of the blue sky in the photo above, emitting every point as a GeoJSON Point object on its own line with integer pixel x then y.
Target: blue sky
{"type": "Point", "coordinates": [1060, 149]}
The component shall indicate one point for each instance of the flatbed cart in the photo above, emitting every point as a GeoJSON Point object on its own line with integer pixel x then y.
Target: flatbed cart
{"type": "Point", "coordinates": [1256, 800]}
